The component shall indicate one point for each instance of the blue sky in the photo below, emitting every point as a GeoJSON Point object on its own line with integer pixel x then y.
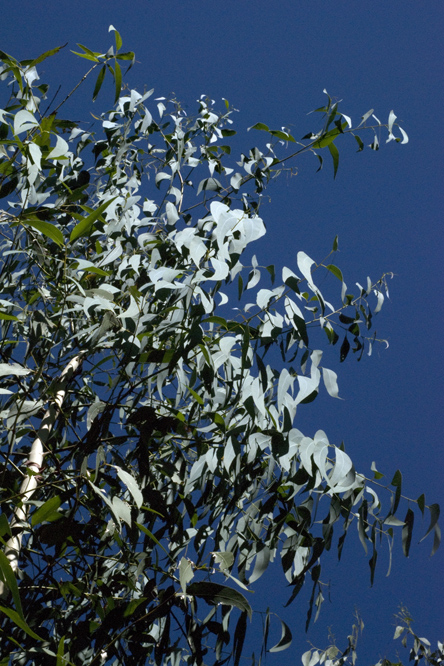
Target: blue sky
{"type": "Point", "coordinates": [272, 61]}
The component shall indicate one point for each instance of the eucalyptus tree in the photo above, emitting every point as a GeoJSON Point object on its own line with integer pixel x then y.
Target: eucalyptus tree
{"type": "Point", "coordinates": [152, 469]}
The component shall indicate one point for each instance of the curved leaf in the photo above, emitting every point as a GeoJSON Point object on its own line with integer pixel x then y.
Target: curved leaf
{"type": "Point", "coordinates": [214, 593]}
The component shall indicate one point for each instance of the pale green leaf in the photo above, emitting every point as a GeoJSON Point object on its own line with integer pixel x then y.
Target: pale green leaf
{"type": "Point", "coordinates": [186, 573]}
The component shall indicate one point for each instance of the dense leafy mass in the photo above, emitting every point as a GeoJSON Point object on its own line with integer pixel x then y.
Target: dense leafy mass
{"type": "Point", "coordinates": [151, 467]}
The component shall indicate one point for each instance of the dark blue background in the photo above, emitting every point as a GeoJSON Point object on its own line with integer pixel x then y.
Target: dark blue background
{"type": "Point", "coordinates": [272, 61]}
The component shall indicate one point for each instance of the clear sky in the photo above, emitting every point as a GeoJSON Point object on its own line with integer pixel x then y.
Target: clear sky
{"type": "Point", "coordinates": [272, 61]}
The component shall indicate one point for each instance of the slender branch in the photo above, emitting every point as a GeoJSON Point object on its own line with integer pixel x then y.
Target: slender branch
{"type": "Point", "coordinates": [35, 463]}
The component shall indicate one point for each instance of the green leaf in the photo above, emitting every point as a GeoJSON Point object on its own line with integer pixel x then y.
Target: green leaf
{"type": "Point", "coordinates": [214, 593]}
{"type": "Point", "coordinates": [279, 134]}
{"type": "Point", "coordinates": [20, 622]}
{"type": "Point", "coordinates": [376, 475]}
{"type": "Point", "coordinates": [301, 328]}
{"type": "Point", "coordinates": [86, 56]}
{"type": "Point", "coordinates": [61, 659]}
{"type": "Point", "coordinates": [260, 126]}
{"type": "Point", "coordinates": [99, 82]}
{"type": "Point", "coordinates": [240, 287]}
{"type": "Point", "coordinates": [335, 155]}
{"type": "Point", "coordinates": [4, 526]}
{"type": "Point", "coordinates": [326, 139]}
{"type": "Point", "coordinates": [407, 531]}
{"type": "Point", "coordinates": [335, 244]}
{"type": "Point", "coordinates": [89, 55]}
{"type": "Point", "coordinates": [45, 55]}
{"type": "Point", "coordinates": [397, 482]}
{"type": "Point", "coordinates": [335, 270]}
{"type": "Point", "coordinates": [46, 228]}
{"type": "Point", "coordinates": [372, 564]}
{"type": "Point", "coordinates": [360, 143]}
{"type": "Point", "coordinates": [130, 55]}
{"type": "Point", "coordinates": [48, 511]}
{"type": "Point", "coordinates": [196, 396]}
{"type": "Point", "coordinates": [272, 271]}
{"type": "Point", "coordinates": [9, 578]}
{"type": "Point", "coordinates": [345, 348]}
{"type": "Point", "coordinates": [239, 638]}
{"type": "Point", "coordinates": [117, 38]}
{"type": "Point", "coordinates": [83, 228]}
{"type": "Point", "coordinates": [151, 536]}
{"type": "Point", "coordinates": [118, 80]}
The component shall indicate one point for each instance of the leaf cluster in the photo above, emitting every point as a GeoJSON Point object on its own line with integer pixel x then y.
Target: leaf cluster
{"type": "Point", "coordinates": [173, 473]}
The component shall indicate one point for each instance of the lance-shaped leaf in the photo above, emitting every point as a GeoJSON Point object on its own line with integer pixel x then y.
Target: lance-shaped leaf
{"type": "Point", "coordinates": [46, 228]}
{"type": "Point", "coordinates": [16, 616]}
{"type": "Point", "coordinates": [214, 593]}
{"type": "Point", "coordinates": [13, 369]}
{"type": "Point", "coordinates": [84, 227]}
{"type": "Point", "coordinates": [48, 511]}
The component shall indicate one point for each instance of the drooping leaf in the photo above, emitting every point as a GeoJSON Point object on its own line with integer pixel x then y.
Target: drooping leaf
{"type": "Point", "coordinates": [99, 82]}
{"type": "Point", "coordinates": [118, 80]}
{"type": "Point", "coordinates": [407, 531]}
{"type": "Point", "coordinates": [186, 573]}
{"type": "Point", "coordinates": [330, 380]}
{"type": "Point", "coordinates": [239, 638]}
{"type": "Point", "coordinates": [335, 156]}
{"type": "Point", "coordinates": [397, 482]}
{"type": "Point", "coordinates": [131, 484]}
{"type": "Point", "coordinates": [214, 593]}
{"type": "Point", "coordinates": [345, 348]}
{"type": "Point", "coordinates": [434, 517]}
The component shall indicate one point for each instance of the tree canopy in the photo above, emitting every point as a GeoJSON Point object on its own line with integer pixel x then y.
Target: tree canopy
{"type": "Point", "coordinates": [152, 469]}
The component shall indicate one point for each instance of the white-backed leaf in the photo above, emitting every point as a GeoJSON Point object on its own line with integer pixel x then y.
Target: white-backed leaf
{"type": "Point", "coordinates": [331, 382]}
{"type": "Point", "coordinates": [224, 559]}
{"type": "Point", "coordinates": [365, 117]}
{"type": "Point", "coordinates": [122, 510]}
{"type": "Point", "coordinates": [94, 410]}
{"type": "Point", "coordinates": [343, 474]}
{"type": "Point", "coordinates": [13, 369]}
{"type": "Point", "coordinates": [304, 265]}
{"type": "Point", "coordinates": [61, 149]}
{"type": "Point", "coordinates": [131, 484]}
{"type": "Point", "coordinates": [171, 213]}
{"type": "Point", "coordinates": [24, 121]}
{"type": "Point", "coordinates": [260, 565]}
{"type": "Point", "coordinates": [185, 573]}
